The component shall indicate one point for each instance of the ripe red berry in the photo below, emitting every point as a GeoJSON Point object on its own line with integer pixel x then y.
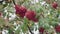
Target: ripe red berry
{"type": "Point", "coordinates": [35, 19]}
{"type": "Point", "coordinates": [31, 15]}
{"type": "Point", "coordinates": [20, 10]}
{"type": "Point", "coordinates": [41, 30]}
{"type": "Point", "coordinates": [54, 5]}
{"type": "Point", "coordinates": [57, 28]}
{"type": "Point", "coordinates": [0, 14]}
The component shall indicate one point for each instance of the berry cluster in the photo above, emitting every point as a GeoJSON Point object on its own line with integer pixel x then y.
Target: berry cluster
{"type": "Point", "coordinates": [54, 5]}
{"type": "Point", "coordinates": [21, 11]}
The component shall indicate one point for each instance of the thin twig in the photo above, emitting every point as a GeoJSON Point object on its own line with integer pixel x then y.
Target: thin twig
{"type": "Point", "coordinates": [14, 2]}
{"type": "Point", "coordinates": [30, 30]}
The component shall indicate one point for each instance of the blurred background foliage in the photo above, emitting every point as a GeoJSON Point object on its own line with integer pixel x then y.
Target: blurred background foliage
{"type": "Point", "coordinates": [12, 24]}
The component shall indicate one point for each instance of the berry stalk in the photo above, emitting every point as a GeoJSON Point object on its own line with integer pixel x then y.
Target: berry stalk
{"type": "Point", "coordinates": [14, 2]}
{"type": "Point", "coordinates": [30, 30]}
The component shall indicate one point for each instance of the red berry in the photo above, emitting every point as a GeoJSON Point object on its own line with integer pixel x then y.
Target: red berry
{"type": "Point", "coordinates": [31, 15]}
{"type": "Point", "coordinates": [57, 28]}
{"type": "Point", "coordinates": [0, 14]}
{"type": "Point", "coordinates": [35, 20]}
{"type": "Point", "coordinates": [41, 30]}
{"type": "Point", "coordinates": [20, 10]}
{"type": "Point", "coordinates": [54, 5]}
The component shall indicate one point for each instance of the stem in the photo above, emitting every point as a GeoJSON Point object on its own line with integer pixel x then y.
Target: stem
{"type": "Point", "coordinates": [30, 30]}
{"type": "Point", "coordinates": [14, 2]}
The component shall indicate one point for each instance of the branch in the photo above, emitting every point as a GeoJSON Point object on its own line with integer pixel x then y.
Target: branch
{"type": "Point", "coordinates": [30, 30]}
{"type": "Point", "coordinates": [14, 2]}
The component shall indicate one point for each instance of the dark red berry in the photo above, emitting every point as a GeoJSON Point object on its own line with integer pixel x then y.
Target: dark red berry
{"type": "Point", "coordinates": [0, 14]}
{"type": "Point", "coordinates": [54, 5]}
{"type": "Point", "coordinates": [57, 28]}
{"type": "Point", "coordinates": [20, 10]}
{"type": "Point", "coordinates": [35, 20]}
{"type": "Point", "coordinates": [31, 15]}
{"type": "Point", "coordinates": [41, 30]}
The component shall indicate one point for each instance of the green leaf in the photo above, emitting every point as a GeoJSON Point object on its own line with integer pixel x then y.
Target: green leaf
{"type": "Point", "coordinates": [10, 31]}
{"type": "Point", "coordinates": [46, 26]}
{"type": "Point", "coordinates": [24, 25]}
{"type": "Point", "coordinates": [24, 28]}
